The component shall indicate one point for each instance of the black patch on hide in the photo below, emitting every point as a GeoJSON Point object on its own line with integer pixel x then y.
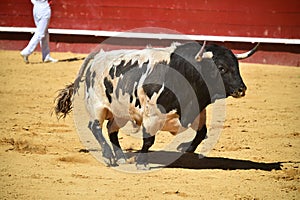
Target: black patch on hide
{"type": "Point", "coordinates": [108, 89]}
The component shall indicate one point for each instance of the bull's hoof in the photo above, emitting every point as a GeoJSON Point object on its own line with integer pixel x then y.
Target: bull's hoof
{"type": "Point", "coordinates": [201, 156]}
{"type": "Point", "coordinates": [142, 162]}
{"type": "Point", "coordinates": [120, 157]}
{"type": "Point", "coordinates": [109, 162]}
{"type": "Point", "coordinates": [144, 166]}
{"type": "Point", "coordinates": [108, 156]}
{"type": "Point", "coordinates": [121, 161]}
{"type": "Point", "coordinates": [186, 147]}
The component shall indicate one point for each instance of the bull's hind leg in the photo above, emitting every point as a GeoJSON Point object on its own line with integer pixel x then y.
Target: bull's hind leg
{"type": "Point", "coordinates": [120, 157]}
{"type": "Point", "coordinates": [107, 154]}
{"type": "Point", "coordinates": [142, 159]}
{"type": "Point", "coordinates": [113, 130]}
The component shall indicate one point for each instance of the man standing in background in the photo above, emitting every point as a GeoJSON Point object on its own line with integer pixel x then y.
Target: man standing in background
{"type": "Point", "coordinates": [41, 15]}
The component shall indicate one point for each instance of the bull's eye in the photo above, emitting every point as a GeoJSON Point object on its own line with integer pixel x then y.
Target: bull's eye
{"type": "Point", "coordinates": [222, 69]}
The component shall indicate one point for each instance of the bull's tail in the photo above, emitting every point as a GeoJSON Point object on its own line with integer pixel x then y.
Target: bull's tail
{"type": "Point", "coordinates": [64, 100]}
{"type": "Point", "coordinates": [82, 70]}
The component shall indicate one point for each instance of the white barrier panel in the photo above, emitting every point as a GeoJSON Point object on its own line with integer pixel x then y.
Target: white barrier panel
{"type": "Point", "coordinates": [155, 35]}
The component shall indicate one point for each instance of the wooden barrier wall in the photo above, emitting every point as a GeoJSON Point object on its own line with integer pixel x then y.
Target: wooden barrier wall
{"type": "Point", "coordinates": [256, 18]}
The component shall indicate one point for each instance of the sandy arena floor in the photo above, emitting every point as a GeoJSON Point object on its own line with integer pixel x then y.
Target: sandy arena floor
{"type": "Point", "coordinates": [42, 158]}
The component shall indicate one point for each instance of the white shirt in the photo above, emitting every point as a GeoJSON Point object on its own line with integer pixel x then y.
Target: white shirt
{"type": "Point", "coordinates": [39, 2]}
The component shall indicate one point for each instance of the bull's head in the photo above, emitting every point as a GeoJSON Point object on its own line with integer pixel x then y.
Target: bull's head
{"type": "Point", "coordinates": [228, 66]}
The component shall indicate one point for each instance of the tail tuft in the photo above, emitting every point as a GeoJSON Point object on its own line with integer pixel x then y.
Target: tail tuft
{"type": "Point", "coordinates": [63, 101]}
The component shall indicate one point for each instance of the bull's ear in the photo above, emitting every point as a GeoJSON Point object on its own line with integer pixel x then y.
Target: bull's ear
{"type": "Point", "coordinates": [207, 54]}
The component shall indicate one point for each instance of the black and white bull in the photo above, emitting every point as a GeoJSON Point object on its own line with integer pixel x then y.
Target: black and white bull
{"type": "Point", "coordinates": [157, 89]}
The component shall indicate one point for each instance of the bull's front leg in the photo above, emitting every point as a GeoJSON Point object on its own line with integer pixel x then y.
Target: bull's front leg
{"type": "Point", "coordinates": [142, 159]}
{"type": "Point", "coordinates": [200, 126]}
{"type": "Point", "coordinates": [190, 147]}
{"type": "Point", "coordinates": [107, 154]}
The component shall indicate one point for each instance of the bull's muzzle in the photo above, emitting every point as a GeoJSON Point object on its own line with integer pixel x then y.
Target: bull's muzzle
{"type": "Point", "coordinates": [239, 92]}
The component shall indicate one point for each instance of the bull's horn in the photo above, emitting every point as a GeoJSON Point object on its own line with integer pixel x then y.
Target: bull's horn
{"type": "Point", "coordinates": [199, 55]}
{"type": "Point", "coordinates": [247, 54]}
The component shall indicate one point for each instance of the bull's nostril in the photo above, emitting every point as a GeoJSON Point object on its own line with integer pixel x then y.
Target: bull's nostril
{"type": "Point", "coordinates": [242, 88]}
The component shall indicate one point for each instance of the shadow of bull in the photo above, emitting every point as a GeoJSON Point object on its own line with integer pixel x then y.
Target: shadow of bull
{"type": "Point", "coordinates": [170, 159]}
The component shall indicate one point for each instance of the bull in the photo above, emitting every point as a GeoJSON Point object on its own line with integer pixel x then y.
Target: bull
{"type": "Point", "coordinates": [158, 89]}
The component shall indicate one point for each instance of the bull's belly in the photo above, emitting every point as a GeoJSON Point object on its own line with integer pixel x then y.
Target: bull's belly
{"type": "Point", "coordinates": [152, 124]}
{"type": "Point", "coordinates": [155, 122]}
{"type": "Point", "coordinates": [149, 116]}
{"type": "Point", "coordinates": [170, 122]}
{"type": "Point", "coordinates": [123, 113]}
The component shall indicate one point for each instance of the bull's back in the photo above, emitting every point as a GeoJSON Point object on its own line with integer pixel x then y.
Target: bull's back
{"type": "Point", "coordinates": [114, 79]}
